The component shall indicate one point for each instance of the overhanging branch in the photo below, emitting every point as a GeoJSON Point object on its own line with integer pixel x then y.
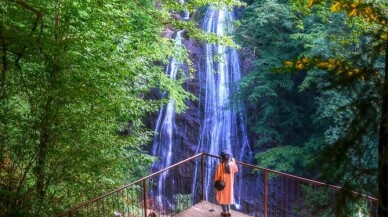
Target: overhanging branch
{"type": "Point", "coordinates": [33, 29]}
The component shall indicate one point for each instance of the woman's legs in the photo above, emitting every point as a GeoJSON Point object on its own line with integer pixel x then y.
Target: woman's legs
{"type": "Point", "coordinates": [225, 208]}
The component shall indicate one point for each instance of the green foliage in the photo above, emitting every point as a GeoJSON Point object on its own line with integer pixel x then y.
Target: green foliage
{"type": "Point", "coordinates": [66, 93]}
{"type": "Point", "coordinates": [279, 114]}
{"type": "Point", "coordinates": [182, 202]}
{"type": "Point", "coordinates": [282, 158]}
{"type": "Point", "coordinates": [353, 130]}
{"type": "Point", "coordinates": [321, 202]}
{"type": "Point", "coordinates": [327, 116]}
{"type": "Point", "coordinates": [350, 100]}
{"type": "Point", "coordinates": [73, 82]}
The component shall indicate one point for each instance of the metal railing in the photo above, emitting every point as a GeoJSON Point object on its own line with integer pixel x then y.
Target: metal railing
{"type": "Point", "coordinates": [259, 192]}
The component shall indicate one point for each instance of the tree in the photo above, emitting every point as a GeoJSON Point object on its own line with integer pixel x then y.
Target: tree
{"type": "Point", "coordinates": [280, 114]}
{"type": "Point", "coordinates": [346, 71]}
{"type": "Point", "coordinates": [331, 50]}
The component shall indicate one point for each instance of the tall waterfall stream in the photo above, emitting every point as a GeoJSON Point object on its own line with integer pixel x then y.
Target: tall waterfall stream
{"type": "Point", "coordinates": [223, 126]}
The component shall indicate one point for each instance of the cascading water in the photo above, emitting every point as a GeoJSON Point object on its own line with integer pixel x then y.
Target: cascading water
{"type": "Point", "coordinates": [185, 14]}
{"type": "Point", "coordinates": [163, 142]}
{"type": "Point", "coordinates": [223, 126]}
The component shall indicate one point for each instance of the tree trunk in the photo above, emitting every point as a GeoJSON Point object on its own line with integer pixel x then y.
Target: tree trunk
{"type": "Point", "coordinates": [383, 147]}
{"type": "Point", "coordinates": [42, 152]}
{"type": "Point", "coordinates": [40, 167]}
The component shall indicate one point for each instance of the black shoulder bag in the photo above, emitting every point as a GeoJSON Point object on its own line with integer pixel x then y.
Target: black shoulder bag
{"type": "Point", "coordinates": [219, 185]}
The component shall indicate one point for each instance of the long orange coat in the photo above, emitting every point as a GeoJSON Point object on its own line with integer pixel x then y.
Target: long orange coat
{"type": "Point", "coordinates": [226, 195]}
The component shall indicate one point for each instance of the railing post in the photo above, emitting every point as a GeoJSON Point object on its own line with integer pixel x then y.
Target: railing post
{"type": "Point", "coordinates": [203, 177]}
{"type": "Point", "coordinates": [70, 213]}
{"type": "Point", "coordinates": [265, 193]}
{"type": "Point", "coordinates": [145, 197]}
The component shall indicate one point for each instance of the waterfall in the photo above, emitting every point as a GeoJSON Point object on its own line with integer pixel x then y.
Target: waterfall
{"type": "Point", "coordinates": [223, 127]}
{"type": "Point", "coordinates": [185, 14]}
{"type": "Point", "coordinates": [163, 141]}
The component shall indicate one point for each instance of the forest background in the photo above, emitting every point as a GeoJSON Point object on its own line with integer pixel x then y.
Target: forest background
{"type": "Point", "coordinates": [75, 74]}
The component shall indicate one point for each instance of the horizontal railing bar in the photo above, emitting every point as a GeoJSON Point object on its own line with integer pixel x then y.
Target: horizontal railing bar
{"type": "Point", "coordinates": [298, 178]}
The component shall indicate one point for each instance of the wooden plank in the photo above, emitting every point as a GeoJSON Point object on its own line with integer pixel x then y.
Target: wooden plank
{"type": "Point", "coordinates": [204, 209]}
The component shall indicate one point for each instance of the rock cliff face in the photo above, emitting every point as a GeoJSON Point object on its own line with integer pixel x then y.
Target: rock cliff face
{"type": "Point", "coordinates": [188, 123]}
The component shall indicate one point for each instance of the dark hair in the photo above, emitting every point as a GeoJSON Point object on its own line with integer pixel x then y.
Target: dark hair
{"type": "Point", "coordinates": [225, 159]}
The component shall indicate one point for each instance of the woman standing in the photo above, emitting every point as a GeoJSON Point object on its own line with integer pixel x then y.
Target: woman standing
{"type": "Point", "coordinates": [225, 171]}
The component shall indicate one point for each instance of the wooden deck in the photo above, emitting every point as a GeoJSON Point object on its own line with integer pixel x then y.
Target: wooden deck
{"type": "Point", "coordinates": [203, 209]}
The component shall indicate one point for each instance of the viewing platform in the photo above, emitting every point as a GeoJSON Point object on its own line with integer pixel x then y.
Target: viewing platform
{"type": "Point", "coordinates": [258, 192]}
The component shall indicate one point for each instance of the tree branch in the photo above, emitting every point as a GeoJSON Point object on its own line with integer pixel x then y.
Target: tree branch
{"type": "Point", "coordinates": [3, 57]}
{"type": "Point", "coordinates": [33, 29]}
